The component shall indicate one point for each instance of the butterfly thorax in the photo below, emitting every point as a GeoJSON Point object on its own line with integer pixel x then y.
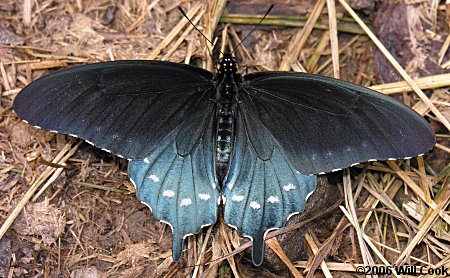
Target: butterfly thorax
{"type": "Point", "coordinates": [226, 95]}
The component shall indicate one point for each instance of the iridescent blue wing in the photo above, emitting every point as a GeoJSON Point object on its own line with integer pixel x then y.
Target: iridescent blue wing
{"type": "Point", "coordinates": [324, 124]}
{"type": "Point", "coordinates": [262, 189]}
{"type": "Point", "coordinates": [178, 182]}
{"type": "Point", "coordinates": [127, 107]}
{"type": "Point", "coordinates": [156, 113]}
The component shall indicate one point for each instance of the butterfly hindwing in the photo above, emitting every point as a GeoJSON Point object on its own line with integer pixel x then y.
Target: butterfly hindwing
{"type": "Point", "coordinates": [180, 189]}
{"type": "Point", "coordinates": [261, 191]}
{"type": "Point", "coordinates": [324, 124]}
{"type": "Point", "coordinates": [127, 107]}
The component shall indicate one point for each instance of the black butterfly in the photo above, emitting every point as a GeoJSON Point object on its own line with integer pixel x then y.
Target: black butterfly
{"type": "Point", "coordinates": [194, 139]}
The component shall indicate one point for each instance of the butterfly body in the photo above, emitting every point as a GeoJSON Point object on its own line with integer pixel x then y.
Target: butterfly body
{"type": "Point", "coordinates": [194, 139]}
{"type": "Point", "coordinates": [227, 91]}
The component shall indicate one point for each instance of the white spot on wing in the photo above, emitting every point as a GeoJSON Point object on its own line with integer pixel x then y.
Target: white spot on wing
{"type": "Point", "coordinates": [168, 194]}
{"type": "Point", "coordinates": [106, 150]}
{"type": "Point", "coordinates": [230, 185]}
{"type": "Point", "coordinates": [289, 187]}
{"type": "Point", "coordinates": [335, 170]}
{"type": "Point", "coordinates": [255, 205]}
{"type": "Point", "coordinates": [370, 160]}
{"type": "Point", "coordinates": [151, 210]}
{"type": "Point", "coordinates": [154, 178]}
{"type": "Point", "coordinates": [186, 202]}
{"type": "Point", "coordinates": [237, 198]}
{"type": "Point", "coordinates": [309, 195]}
{"type": "Point", "coordinates": [269, 230]}
{"type": "Point", "coordinates": [186, 235]}
{"type": "Point", "coordinates": [165, 222]}
{"type": "Point", "coordinates": [273, 199]}
{"type": "Point", "coordinates": [204, 197]}
{"type": "Point", "coordinates": [354, 164]}
{"type": "Point", "coordinates": [89, 142]}
{"type": "Point", "coordinates": [73, 135]}
{"type": "Point", "coordinates": [146, 160]}
{"type": "Point", "coordinates": [292, 214]}
{"type": "Point", "coordinates": [408, 157]}
{"type": "Point", "coordinates": [134, 184]}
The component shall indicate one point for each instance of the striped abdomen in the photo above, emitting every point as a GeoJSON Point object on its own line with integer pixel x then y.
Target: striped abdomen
{"type": "Point", "coordinates": [224, 138]}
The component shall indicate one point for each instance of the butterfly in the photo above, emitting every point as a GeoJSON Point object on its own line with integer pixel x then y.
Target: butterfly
{"type": "Point", "coordinates": [195, 140]}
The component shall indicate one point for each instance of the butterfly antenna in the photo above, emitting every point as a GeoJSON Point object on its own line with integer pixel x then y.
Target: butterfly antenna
{"type": "Point", "coordinates": [193, 25]}
{"type": "Point", "coordinates": [254, 28]}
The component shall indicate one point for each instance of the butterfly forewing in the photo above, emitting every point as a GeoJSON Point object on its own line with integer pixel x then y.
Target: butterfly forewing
{"type": "Point", "coordinates": [127, 107]}
{"type": "Point", "coordinates": [324, 124]}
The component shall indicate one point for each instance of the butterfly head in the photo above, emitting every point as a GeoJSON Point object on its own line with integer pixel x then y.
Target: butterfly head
{"type": "Point", "coordinates": [228, 66]}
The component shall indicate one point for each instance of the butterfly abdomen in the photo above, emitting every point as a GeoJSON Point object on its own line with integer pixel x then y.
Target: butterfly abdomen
{"type": "Point", "coordinates": [224, 137]}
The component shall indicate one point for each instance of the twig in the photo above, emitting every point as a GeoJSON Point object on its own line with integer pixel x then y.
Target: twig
{"type": "Point", "coordinates": [333, 37]}
{"type": "Point", "coordinates": [300, 39]}
{"type": "Point", "coordinates": [60, 158]}
{"type": "Point", "coordinates": [171, 36]}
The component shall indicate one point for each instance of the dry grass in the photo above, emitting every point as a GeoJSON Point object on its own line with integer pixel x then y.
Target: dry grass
{"type": "Point", "coordinates": [79, 216]}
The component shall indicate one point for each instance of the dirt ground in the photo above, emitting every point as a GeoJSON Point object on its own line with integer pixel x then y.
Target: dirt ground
{"type": "Point", "coordinates": [68, 209]}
